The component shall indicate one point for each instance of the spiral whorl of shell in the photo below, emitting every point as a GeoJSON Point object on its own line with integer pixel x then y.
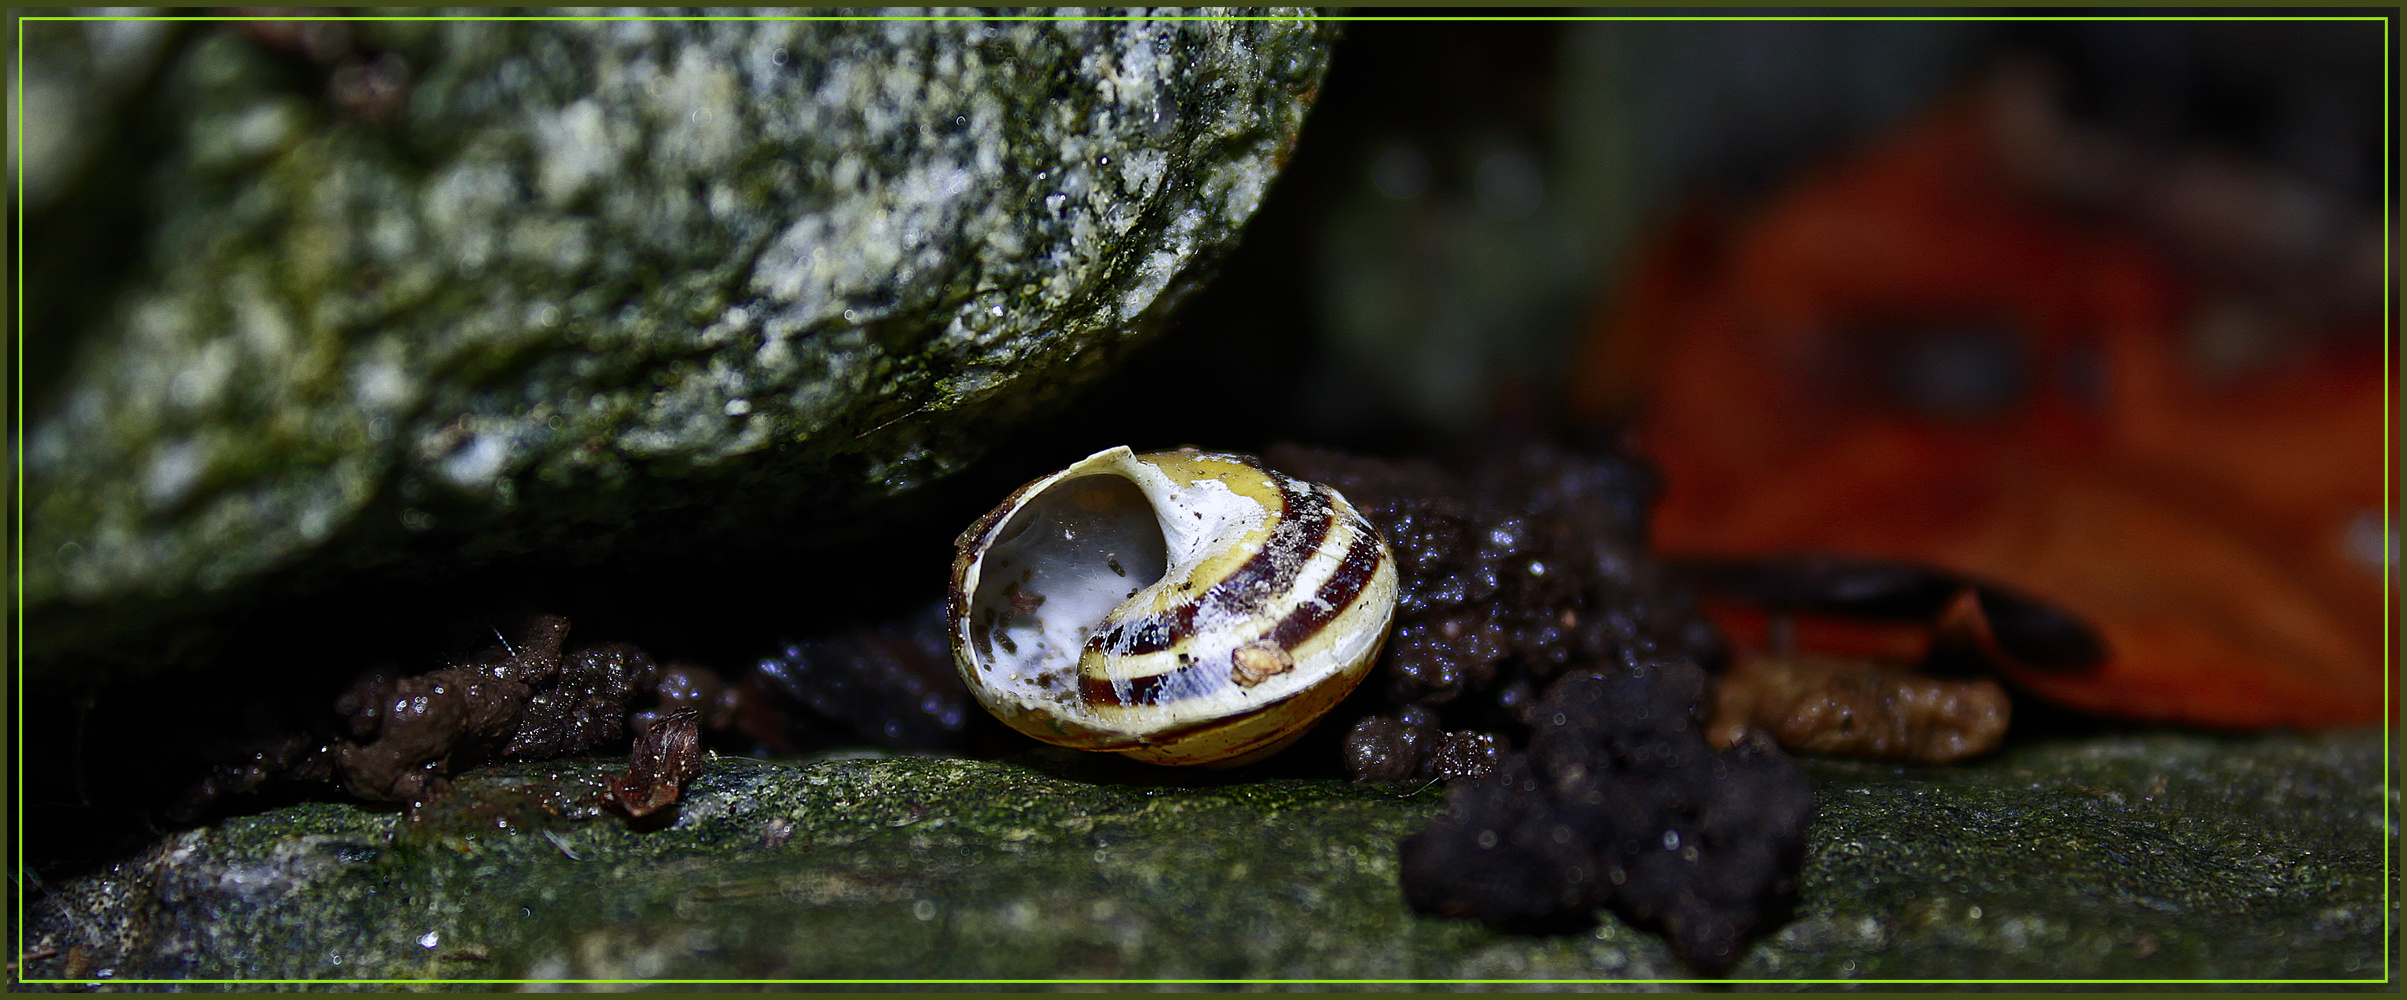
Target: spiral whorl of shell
{"type": "Point", "coordinates": [1179, 607]}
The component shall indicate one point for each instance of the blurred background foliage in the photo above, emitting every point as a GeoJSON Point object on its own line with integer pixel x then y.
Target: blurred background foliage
{"type": "Point", "coordinates": [1471, 197]}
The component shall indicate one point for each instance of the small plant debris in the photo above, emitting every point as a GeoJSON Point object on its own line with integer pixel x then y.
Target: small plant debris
{"type": "Point", "coordinates": [668, 753]}
{"type": "Point", "coordinates": [1829, 706]}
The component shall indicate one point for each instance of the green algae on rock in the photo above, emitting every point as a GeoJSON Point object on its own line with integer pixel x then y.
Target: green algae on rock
{"type": "Point", "coordinates": [2148, 857]}
{"type": "Point", "coordinates": [450, 290]}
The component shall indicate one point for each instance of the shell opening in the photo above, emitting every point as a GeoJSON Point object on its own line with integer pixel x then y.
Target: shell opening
{"type": "Point", "coordinates": [1178, 607]}
{"type": "Point", "coordinates": [1054, 572]}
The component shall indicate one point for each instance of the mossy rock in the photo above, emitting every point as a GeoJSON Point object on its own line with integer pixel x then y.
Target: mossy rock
{"type": "Point", "coordinates": [2154, 857]}
{"type": "Point", "coordinates": [307, 301]}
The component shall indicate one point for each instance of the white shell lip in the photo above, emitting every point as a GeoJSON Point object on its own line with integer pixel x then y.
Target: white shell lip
{"type": "Point", "coordinates": [1025, 667]}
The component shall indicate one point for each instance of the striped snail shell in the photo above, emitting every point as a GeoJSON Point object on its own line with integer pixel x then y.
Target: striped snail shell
{"type": "Point", "coordinates": [1179, 607]}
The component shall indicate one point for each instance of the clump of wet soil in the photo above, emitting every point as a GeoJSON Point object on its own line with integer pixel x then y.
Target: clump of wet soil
{"type": "Point", "coordinates": [398, 736]}
{"type": "Point", "coordinates": [1523, 567]}
{"type": "Point", "coordinates": [1545, 664]}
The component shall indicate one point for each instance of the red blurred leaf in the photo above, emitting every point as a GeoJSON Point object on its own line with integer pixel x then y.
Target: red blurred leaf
{"type": "Point", "coordinates": [2199, 525]}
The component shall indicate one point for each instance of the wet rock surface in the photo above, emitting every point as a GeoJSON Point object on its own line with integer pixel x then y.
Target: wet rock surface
{"type": "Point", "coordinates": [321, 299]}
{"type": "Point", "coordinates": [2157, 856]}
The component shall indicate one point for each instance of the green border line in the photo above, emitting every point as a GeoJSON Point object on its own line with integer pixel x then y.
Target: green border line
{"type": "Point", "coordinates": [2389, 527]}
{"type": "Point", "coordinates": [16, 540]}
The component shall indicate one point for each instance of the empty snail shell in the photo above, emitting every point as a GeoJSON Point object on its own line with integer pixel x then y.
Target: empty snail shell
{"type": "Point", "coordinates": [1179, 607]}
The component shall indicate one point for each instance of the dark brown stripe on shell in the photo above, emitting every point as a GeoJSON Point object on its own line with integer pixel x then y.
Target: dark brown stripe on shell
{"type": "Point", "coordinates": [1141, 690]}
{"type": "Point", "coordinates": [1337, 593]}
{"type": "Point", "coordinates": [1303, 522]}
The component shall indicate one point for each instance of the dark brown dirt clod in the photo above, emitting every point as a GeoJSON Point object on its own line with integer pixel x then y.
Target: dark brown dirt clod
{"type": "Point", "coordinates": [1619, 802]}
{"type": "Point", "coordinates": [1529, 564]}
{"type": "Point", "coordinates": [522, 699]}
{"type": "Point", "coordinates": [1384, 749]}
{"type": "Point", "coordinates": [397, 736]}
{"type": "Point", "coordinates": [1529, 573]}
{"type": "Point", "coordinates": [1465, 754]}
